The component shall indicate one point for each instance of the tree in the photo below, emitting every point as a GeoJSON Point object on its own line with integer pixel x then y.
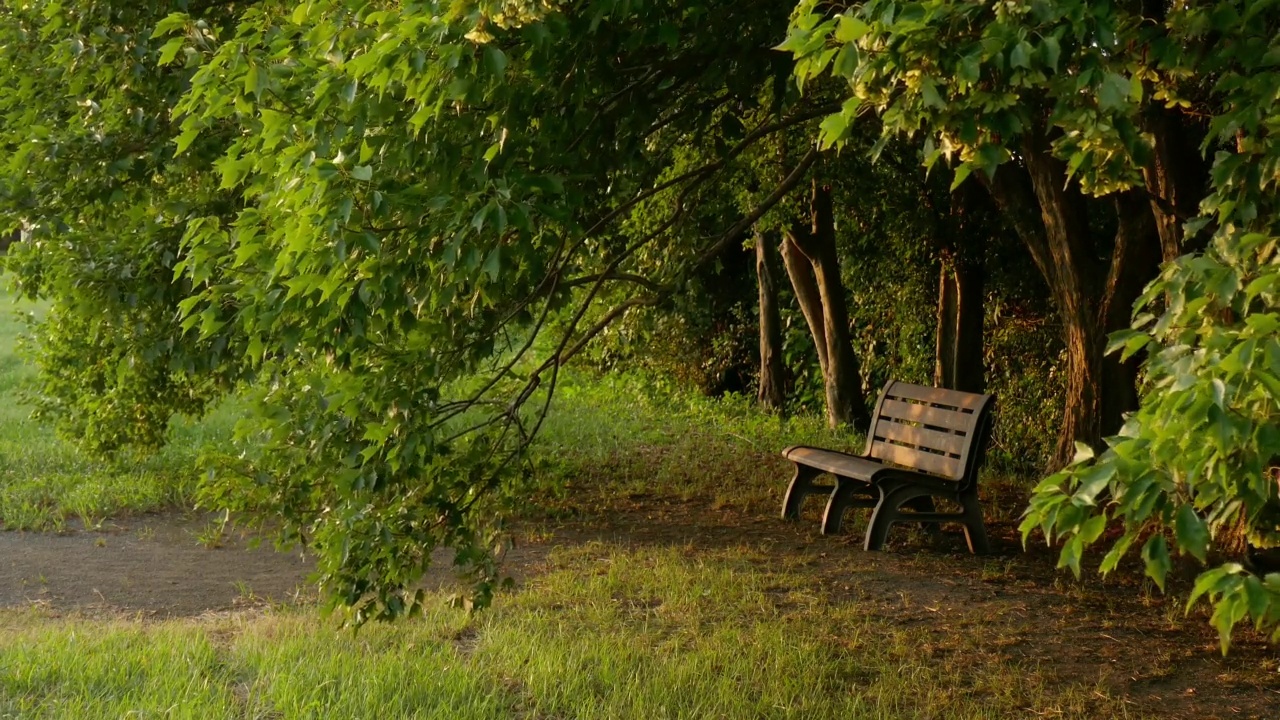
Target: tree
{"type": "Point", "coordinates": [1067, 107]}
{"type": "Point", "coordinates": [813, 265]}
{"type": "Point", "coordinates": [770, 393]}
{"type": "Point", "coordinates": [961, 279]}
{"type": "Point", "coordinates": [362, 215]}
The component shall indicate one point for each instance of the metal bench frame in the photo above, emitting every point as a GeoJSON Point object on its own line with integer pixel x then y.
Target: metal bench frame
{"type": "Point", "coordinates": [924, 443]}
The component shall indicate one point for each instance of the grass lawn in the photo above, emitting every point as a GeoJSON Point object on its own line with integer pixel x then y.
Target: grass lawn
{"type": "Point", "coordinates": [44, 480]}
{"type": "Point", "coordinates": [601, 633]}
{"type": "Point", "coordinates": [663, 586]}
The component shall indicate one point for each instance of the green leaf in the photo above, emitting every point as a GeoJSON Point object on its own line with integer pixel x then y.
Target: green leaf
{"type": "Point", "coordinates": [1191, 532]}
{"type": "Point", "coordinates": [187, 137]}
{"type": "Point", "coordinates": [1112, 559]}
{"type": "Point", "coordinates": [1092, 482]}
{"type": "Point", "coordinates": [170, 50]}
{"type": "Point", "coordinates": [833, 130]}
{"type": "Point", "coordinates": [1208, 582]}
{"type": "Point", "coordinates": [1020, 56]}
{"type": "Point", "coordinates": [1231, 609]}
{"type": "Point", "coordinates": [363, 173]}
{"type": "Point", "coordinates": [990, 157]}
{"type": "Point", "coordinates": [1155, 553]}
{"type": "Point", "coordinates": [1051, 51]}
{"type": "Point", "coordinates": [1092, 529]}
{"type": "Point", "coordinates": [495, 60]}
{"type": "Point", "coordinates": [962, 171]}
{"type": "Point", "coordinates": [1071, 554]}
{"type": "Point", "coordinates": [493, 264]}
{"type": "Point", "coordinates": [970, 69]}
{"type": "Point", "coordinates": [255, 81]}
{"type": "Point", "coordinates": [173, 21]}
{"type": "Point", "coordinates": [929, 93]}
{"type": "Point", "coordinates": [1113, 92]}
{"type": "Point", "coordinates": [1083, 452]}
{"type": "Point", "coordinates": [1257, 598]}
{"type": "Point", "coordinates": [850, 28]}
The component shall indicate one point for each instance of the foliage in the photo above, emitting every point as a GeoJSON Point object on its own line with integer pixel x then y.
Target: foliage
{"type": "Point", "coordinates": [45, 481]}
{"type": "Point", "coordinates": [1196, 461]}
{"type": "Point", "coordinates": [89, 171]}
{"type": "Point", "coordinates": [362, 215]}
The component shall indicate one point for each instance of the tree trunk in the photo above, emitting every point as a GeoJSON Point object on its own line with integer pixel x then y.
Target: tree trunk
{"type": "Point", "coordinates": [1175, 180]}
{"type": "Point", "coordinates": [958, 356]}
{"type": "Point", "coordinates": [770, 392]}
{"type": "Point", "coordinates": [1135, 260]}
{"type": "Point", "coordinates": [1091, 296]}
{"type": "Point", "coordinates": [800, 271]}
{"type": "Point", "coordinates": [830, 327]}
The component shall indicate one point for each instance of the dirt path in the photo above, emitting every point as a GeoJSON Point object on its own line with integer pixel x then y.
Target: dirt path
{"type": "Point", "coordinates": [1009, 607]}
{"type": "Point", "coordinates": [155, 565]}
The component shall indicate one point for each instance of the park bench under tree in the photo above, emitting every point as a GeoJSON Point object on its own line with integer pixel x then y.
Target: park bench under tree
{"type": "Point", "coordinates": [923, 443]}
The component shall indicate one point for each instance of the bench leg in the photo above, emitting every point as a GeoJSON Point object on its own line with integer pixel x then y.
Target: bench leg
{"type": "Point", "coordinates": [925, 504]}
{"type": "Point", "coordinates": [801, 486]}
{"type": "Point", "coordinates": [896, 494]}
{"type": "Point", "coordinates": [893, 495]}
{"type": "Point", "coordinates": [843, 497]}
{"type": "Point", "coordinates": [975, 532]}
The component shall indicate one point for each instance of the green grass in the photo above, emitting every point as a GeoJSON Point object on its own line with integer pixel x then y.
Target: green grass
{"type": "Point", "coordinates": [44, 480]}
{"type": "Point", "coordinates": [634, 434]}
{"type": "Point", "coordinates": [606, 633]}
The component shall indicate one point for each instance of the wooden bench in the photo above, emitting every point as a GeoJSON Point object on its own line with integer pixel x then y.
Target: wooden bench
{"type": "Point", "coordinates": [924, 443]}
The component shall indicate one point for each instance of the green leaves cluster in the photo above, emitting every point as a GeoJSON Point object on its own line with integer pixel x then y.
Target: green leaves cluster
{"type": "Point", "coordinates": [363, 215]}
{"type": "Point", "coordinates": [86, 171]}
{"type": "Point", "coordinates": [974, 78]}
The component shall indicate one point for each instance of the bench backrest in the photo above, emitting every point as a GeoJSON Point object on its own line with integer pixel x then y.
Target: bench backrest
{"type": "Point", "coordinates": [932, 430]}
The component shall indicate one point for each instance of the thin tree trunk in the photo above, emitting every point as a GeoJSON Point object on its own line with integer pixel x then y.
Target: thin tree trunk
{"type": "Point", "coordinates": [771, 385]}
{"type": "Point", "coordinates": [958, 357]}
{"type": "Point", "coordinates": [800, 271]}
{"type": "Point", "coordinates": [842, 376]}
{"type": "Point", "coordinates": [1175, 179]}
{"type": "Point", "coordinates": [1135, 260]}
{"type": "Point", "coordinates": [945, 346]}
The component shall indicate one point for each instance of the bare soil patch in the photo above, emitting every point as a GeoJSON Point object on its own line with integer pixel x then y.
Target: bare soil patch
{"type": "Point", "coordinates": [155, 565]}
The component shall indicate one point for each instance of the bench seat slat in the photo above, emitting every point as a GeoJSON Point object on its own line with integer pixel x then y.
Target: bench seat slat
{"type": "Point", "coordinates": [921, 437]}
{"type": "Point", "coordinates": [918, 459]}
{"type": "Point", "coordinates": [939, 396]}
{"type": "Point", "coordinates": [928, 415]}
{"type": "Point", "coordinates": [837, 463]}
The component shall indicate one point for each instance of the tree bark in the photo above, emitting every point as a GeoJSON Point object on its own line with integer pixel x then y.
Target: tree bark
{"type": "Point", "coordinates": [800, 271]}
{"type": "Point", "coordinates": [842, 376]}
{"type": "Point", "coordinates": [1092, 297]}
{"type": "Point", "coordinates": [1135, 260]}
{"type": "Point", "coordinates": [771, 392]}
{"type": "Point", "coordinates": [958, 355]}
{"type": "Point", "coordinates": [1175, 179]}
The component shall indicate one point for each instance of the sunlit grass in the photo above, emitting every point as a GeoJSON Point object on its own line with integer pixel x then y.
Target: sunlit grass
{"type": "Point", "coordinates": [605, 633]}
{"type": "Point", "coordinates": [631, 434]}
{"type": "Point", "coordinates": [45, 481]}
